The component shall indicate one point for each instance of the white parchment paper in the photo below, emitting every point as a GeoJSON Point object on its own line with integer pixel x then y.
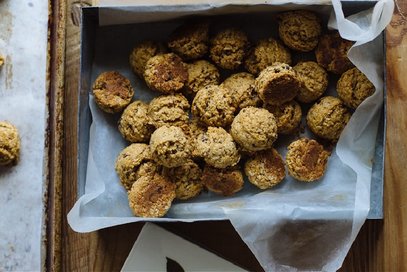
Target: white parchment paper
{"type": "Point", "coordinates": [23, 43]}
{"type": "Point", "coordinates": [294, 226]}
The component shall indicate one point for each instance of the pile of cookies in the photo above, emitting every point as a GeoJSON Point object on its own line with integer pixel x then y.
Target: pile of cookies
{"type": "Point", "coordinates": [204, 132]}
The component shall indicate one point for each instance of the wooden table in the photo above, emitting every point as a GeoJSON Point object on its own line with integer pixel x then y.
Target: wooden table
{"type": "Point", "coordinates": [380, 246]}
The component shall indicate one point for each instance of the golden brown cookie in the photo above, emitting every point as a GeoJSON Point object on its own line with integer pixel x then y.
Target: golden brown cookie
{"type": "Point", "coordinates": [213, 106]}
{"type": "Point", "coordinates": [134, 124]}
{"type": "Point", "coordinates": [9, 144]}
{"type": "Point", "coordinates": [306, 160]}
{"type": "Point", "coordinates": [328, 117]}
{"type": "Point", "coordinates": [217, 148]}
{"type": "Point", "coordinates": [354, 87]}
{"type": "Point", "coordinates": [171, 110]}
{"type": "Point", "coordinates": [241, 89]}
{"type": "Point", "coordinates": [187, 179]}
{"type": "Point", "coordinates": [266, 169]}
{"type": "Point", "coordinates": [1, 61]}
{"type": "Point", "coordinates": [314, 81]}
{"type": "Point", "coordinates": [201, 73]}
{"type": "Point", "coordinates": [190, 40]}
{"type": "Point", "coordinates": [151, 196]}
{"type": "Point", "coordinates": [254, 129]}
{"type": "Point", "coordinates": [299, 29]}
{"type": "Point", "coordinates": [166, 73]}
{"type": "Point", "coordinates": [277, 84]}
{"type": "Point", "coordinates": [223, 181]}
{"type": "Point", "coordinates": [112, 91]}
{"type": "Point", "coordinates": [228, 48]}
{"type": "Point", "coordinates": [129, 161]}
{"type": "Point", "coordinates": [332, 53]}
{"type": "Point", "coordinates": [141, 53]}
{"type": "Point", "coordinates": [288, 116]}
{"type": "Point", "coordinates": [266, 53]}
{"type": "Point", "coordinates": [170, 146]}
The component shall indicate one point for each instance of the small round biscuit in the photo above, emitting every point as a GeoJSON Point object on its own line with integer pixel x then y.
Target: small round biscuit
{"type": "Point", "coordinates": [141, 53]}
{"type": "Point", "coordinates": [266, 169]}
{"type": "Point", "coordinates": [241, 89]}
{"type": "Point", "coordinates": [134, 124]}
{"type": "Point", "coordinates": [328, 117]}
{"type": "Point", "coordinates": [266, 53]}
{"type": "Point", "coordinates": [201, 73]}
{"type": "Point", "coordinates": [217, 148]}
{"type": "Point", "coordinates": [277, 84]}
{"type": "Point", "coordinates": [187, 179]}
{"type": "Point", "coordinates": [170, 146]}
{"type": "Point", "coordinates": [299, 29]}
{"type": "Point", "coordinates": [332, 53]}
{"type": "Point", "coordinates": [190, 40]}
{"type": "Point", "coordinates": [223, 181]}
{"type": "Point", "coordinates": [254, 129]}
{"type": "Point", "coordinates": [354, 87]}
{"type": "Point", "coordinates": [314, 81]}
{"type": "Point", "coordinates": [306, 160]}
{"type": "Point", "coordinates": [151, 196]}
{"type": "Point", "coordinates": [129, 161]}
{"type": "Point", "coordinates": [228, 48]}
{"type": "Point", "coordinates": [9, 144]}
{"type": "Point", "coordinates": [171, 110]}
{"type": "Point", "coordinates": [213, 106]}
{"type": "Point", "coordinates": [112, 91]}
{"type": "Point", "coordinates": [288, 116]}
{"type": "Point", "coordinates": [166, 73]}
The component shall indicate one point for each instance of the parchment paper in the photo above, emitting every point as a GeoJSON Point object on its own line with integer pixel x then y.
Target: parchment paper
{"type": "Point", "coordinates": [23, 42]}
{"type": "Point", "coordinates": [294, 226]}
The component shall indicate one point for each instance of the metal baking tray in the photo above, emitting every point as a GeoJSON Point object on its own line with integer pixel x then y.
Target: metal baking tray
{"type": "Point", "coordinates": [89, 28]}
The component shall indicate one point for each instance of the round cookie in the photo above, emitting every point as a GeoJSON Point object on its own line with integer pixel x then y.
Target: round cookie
{"type": "Point", "coordinates": [171, 110]}
{"type": "Point", "coordinates": [187, 179]}
{"type": "Point", "coordinates": [213, 106]}
{"type": "Point", "coordinates": [354, 87]}
{"type": "Point", "coordinates": [266, 53]}
{"type": "Point", "coordinates": [228, 48]}
{"type": "Point", "coordinates": [266, 169]}
{"type": "Point", "coordinates": [222, 181]}
{"type": "Point", "coordinates": [166, 73]}
{"type": "Point", "coordinates": [241, 89]}
{"type": "Point", "coordinates": [201, 73]}
{"type": "Point", "coordinates": [170, 146]}
{"type": "Point", "coordinates": [306, 160]}
{"type": "Point", "coordinates": [141, 53]}
{"type": "Point", "coordinates": [9, 144]}
{"type": "Point", "coordinates": [129, 161]}
{"type": "Point", "coordinates": [332, 53]}
{"type": "Point", "coordinates": [134, 124]}
{"type": "Point", "coordinates": [190, 40]}
{"type": "Point", "coordinates": [217, 148]}
{"type": "Point", "coordinates": [314, 81]}
{"type": "Point", "coordinates": [277, 84]}
{"type": "Point", "coordinates": [288, 116]}
{"type": "Point", "coordinates": [254, 129]}
{"type": "Point", "coordinates": [151, 196]}
{"type": "Point", "coordinates": [112, 91]}
{"type": "Point", "coordinates": [328, 117]}
{"type": "Point", "coordinates": [299, 30]}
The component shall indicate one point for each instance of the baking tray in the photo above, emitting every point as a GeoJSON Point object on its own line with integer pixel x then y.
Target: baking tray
{"type": "Point", "coordinates": [89, 28]}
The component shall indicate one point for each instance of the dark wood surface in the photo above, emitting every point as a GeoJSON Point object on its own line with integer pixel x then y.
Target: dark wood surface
{"type": "Point", "coordinates": [380, 246]}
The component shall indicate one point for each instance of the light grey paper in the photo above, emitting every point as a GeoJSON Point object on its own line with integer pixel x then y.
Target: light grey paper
{"type": "Point", "coordinates": [294, 226]}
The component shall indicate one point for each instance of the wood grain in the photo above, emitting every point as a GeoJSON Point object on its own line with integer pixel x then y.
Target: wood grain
{"type": "Point", "coordinates": [380, 246]}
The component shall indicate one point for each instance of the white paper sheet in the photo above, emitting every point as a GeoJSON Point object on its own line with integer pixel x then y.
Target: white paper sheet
{"type": "Point", "coordinates": [294, 226]}
{"type": "Point", "coordinates": [23, 42]}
